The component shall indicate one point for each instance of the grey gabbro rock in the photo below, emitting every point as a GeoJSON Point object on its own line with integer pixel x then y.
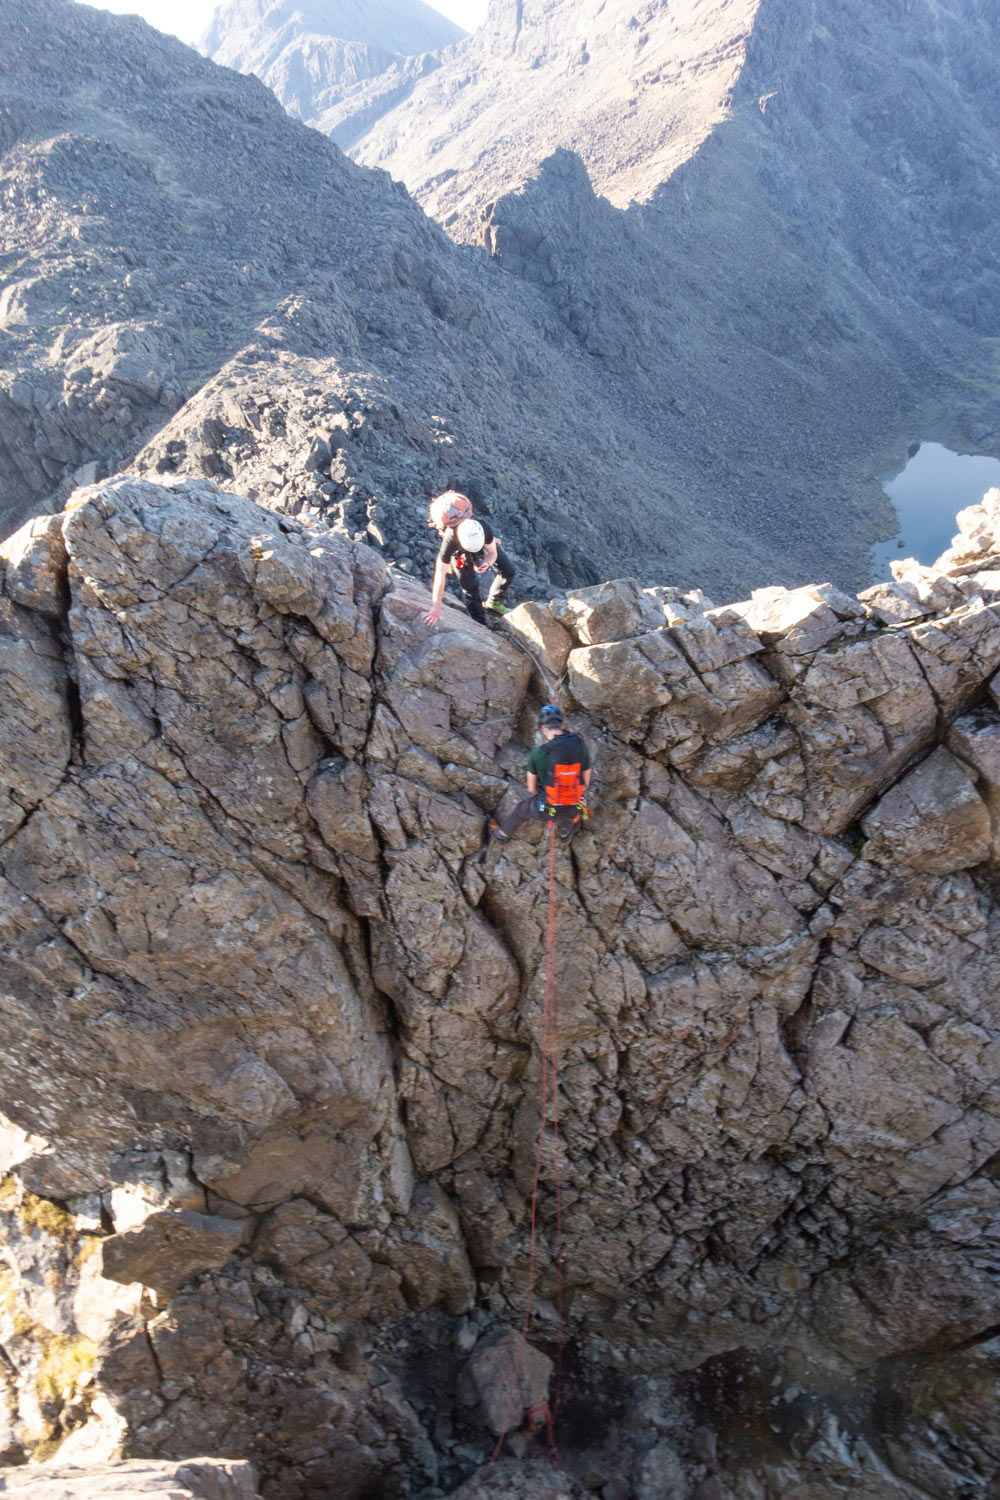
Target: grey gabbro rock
{"type": "Point", "coordinates": [168, 1248]}
{"type": "Point", "coordinates": [975, 739]}
{"type": "Point", "coordinates": [201, 1478]}
{"type": "Point", "coordinates": [269, 1016]}
{"type": "Point", "coordinates": [933, 819]}
{"type": "Point", "coordinates": [34, 565]}
{"type": "Point", "coordinates": [509, 1378]}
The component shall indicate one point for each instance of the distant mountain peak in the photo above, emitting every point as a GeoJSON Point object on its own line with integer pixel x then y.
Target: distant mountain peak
{"type": "Point", "coordinates": [310, 51]}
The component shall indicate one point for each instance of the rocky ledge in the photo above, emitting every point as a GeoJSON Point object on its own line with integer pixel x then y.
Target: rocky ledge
{"type": "Point", "coordinates": [271, 1023]}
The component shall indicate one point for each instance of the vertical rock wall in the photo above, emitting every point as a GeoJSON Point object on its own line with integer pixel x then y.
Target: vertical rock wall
{"type": "Point", "coordinates": [271, 1025]}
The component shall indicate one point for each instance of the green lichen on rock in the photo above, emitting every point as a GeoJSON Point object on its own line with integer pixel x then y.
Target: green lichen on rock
{"type": "Point", "coordinates": [35, 1212]}
{"type": "Point", "coordinates": [66, 1359]}
{"type": "Point", "coordinates": [23, 1326]}
{"type": "Point", "coordinates": [49, 1217]}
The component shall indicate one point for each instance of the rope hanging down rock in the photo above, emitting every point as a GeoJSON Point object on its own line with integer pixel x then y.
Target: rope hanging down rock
{"type": "Point", "coordinates": [542, 1415]}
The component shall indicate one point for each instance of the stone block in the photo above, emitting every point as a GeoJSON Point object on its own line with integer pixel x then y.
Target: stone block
{"type": "Point", "coordinates": [933, 820]}
{"type": "Point", "coordinates": [890, 604]}
{"type": "Point", "coordinates": [170, 1248]}
{"type": "Point", "coordinates": [978, 535]}
{"type": "Point", "coordinates": [35, 565]}
{"type": "Point", "coordinates": [934, 592]}
{"type": "Point", "coordinates": [610, 612]}
{"type": "Point", "coordinates": [797, 622]}
{"type": "Point", "coordinates": [533, 626]}
{"type": "Point", "coordinates": [508, 1377]}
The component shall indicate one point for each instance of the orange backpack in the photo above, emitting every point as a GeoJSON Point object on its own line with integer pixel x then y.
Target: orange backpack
{"type": "Point", "coordinates": [567, 788]}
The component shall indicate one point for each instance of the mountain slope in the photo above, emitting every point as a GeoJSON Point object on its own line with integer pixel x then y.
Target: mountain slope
{"type": "Point", "coordinates": [163, 217]}
{"type": "Point", "coordinates": [192, 274]}
{"type": "Point", "coordinates": [632, 90]}
{"type": "Point", "coordinates": [806, 280]}
{"type": "Point", "coordinates": [310, 53]}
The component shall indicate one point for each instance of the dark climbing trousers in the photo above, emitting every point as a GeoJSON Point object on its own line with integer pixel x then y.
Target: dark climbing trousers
{"type": "Point", "coordinates": [567, 819]}
{"type": "Point", "coordinates": [468, 582]}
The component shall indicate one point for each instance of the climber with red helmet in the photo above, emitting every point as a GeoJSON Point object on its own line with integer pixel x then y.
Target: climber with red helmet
{"type": "Point", "coordinates": [558, 777]}
{"type": "Point", "coordinates": [469, 548]}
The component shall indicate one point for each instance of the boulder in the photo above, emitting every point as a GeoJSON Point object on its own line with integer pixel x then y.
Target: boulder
{"type": "Point", "coordinates": [715, 639]}
{"type": "Point", "coordinates": [983, 584]}
{"type": "Point", "coordinates": [891, 604]}
{"type": "Point", "coordinates": [542, 635]}
{"type": "Point", "coordinates": [509, 1378]}
{"type": "Point", "coordinates": [34, 565]}
{"type": "Point", "coordinates": [676, 689]}
{"type": "Point", "coordinates": [609, 612]}
{"type": "Point", "coordinates": [797, 622]}
{"type": "Point", "coordinates": [169, 1248]}
{"type": "Point", "coordinates": [978, 536]}
{"type": "Point", "coordinates": [933, 820]}
{"type": "Point", "coordinates": [928, 587]}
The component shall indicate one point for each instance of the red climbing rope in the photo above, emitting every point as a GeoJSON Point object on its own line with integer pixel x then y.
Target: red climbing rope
{"type": "Point", "coordinates": [553, 1046]}
{"type": "Point", "coordinates": [542, 1415]}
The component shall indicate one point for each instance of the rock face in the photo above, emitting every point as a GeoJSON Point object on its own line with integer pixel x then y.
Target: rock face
{"type": "Point", "coordinates": [632, 93]}
{"type": "Point", "coordinates": [271, 1027]}
{"type": "Point", "coordinates": [311, 54]}
{"type": "Point", "coordinates": [204, 1479]}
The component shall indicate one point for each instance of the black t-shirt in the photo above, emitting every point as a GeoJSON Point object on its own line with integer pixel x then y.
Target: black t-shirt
{"type": "Point", "coordinates": [566, 749]}
{"type": "Point", "coordinates": [451, 547]}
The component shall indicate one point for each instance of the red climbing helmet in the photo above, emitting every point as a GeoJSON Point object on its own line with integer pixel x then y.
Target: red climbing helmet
{"type": "Point", "coordinates": [448, 509]}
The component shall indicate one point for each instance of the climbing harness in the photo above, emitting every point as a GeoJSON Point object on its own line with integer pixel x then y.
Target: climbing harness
{"type": "Point", "coordinates": [566, 829]}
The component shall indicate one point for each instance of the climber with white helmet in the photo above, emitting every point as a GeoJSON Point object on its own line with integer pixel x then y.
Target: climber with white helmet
{"type": "Point", "coordinates": [558, 776]}
{"type": "Point", "coordinates": [469, 548]}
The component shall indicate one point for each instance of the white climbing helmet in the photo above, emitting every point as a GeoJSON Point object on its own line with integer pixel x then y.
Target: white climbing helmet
{"type": "Point", "coordinates": [471, 536]}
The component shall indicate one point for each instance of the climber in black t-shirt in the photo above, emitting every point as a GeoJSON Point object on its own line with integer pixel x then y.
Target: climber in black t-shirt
{"type": "Point", "coordinates": [468, 547]}
{"type": "Point", "coordinates": [558, 776]}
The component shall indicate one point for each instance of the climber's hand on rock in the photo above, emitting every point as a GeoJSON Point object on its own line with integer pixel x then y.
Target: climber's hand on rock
{"type": "Point", "coordinates": [433, 615]}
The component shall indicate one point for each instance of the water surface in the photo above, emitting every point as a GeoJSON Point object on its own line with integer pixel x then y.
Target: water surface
{"type": "Point", "coordinates": [928, 494]}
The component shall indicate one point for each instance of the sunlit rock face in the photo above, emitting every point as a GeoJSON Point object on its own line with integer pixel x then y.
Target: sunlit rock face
{"type": "Point", "coordinates": [271, 1024]}
{"type": "Point", "coordinates": [310, 55]}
